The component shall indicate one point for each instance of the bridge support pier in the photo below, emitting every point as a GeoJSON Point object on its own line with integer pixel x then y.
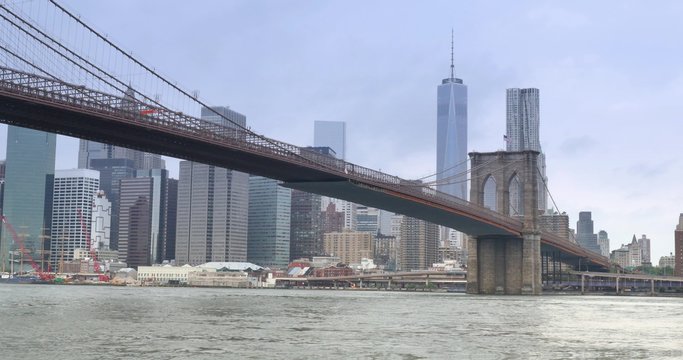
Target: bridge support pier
{"type": "Point", "coordinates": [504, 265]}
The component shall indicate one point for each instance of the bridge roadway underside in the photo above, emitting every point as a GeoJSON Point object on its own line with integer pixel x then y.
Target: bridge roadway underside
{"type": "Point", "coordinates": [31, 113]}
{"type": "Point", "coordinates": [394, 202]}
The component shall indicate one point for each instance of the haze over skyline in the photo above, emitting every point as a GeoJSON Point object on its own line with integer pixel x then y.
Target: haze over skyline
{"type": "Point", "coordinates": [608, 75]}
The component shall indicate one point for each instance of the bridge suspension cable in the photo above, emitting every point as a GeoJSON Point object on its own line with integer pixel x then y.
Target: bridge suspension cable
{"type": "Point", "coordinates": [171, 84]}
{"type": "Point", "coordinates": [545, 185]}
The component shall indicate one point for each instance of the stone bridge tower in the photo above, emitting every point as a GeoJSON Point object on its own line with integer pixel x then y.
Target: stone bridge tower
{"type": "Point", "coordinates": [506, 182]}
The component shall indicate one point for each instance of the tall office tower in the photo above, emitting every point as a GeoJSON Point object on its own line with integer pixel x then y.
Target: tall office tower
{"type": "Point", "coordinates": [585, 236]}
{"type": "Point", "coordinates": [331, 134]}
{"type": "Point", "coordinates": [603, 242]}
{"type": "Point", "coordinates": [367, 219]}
{"type": "Point", "coordinates": [419, 244]}
{"type": "Point", "coordinates": [644, 244]}
{"type": "Point", "coordinates": [213, 206]}
{"type": "Point", "coordinates": [135, 221]}
{"type": "Point", "coordinates": [224, 116]}
{"type": "Point", "coordinates": [171, 219]}
{"type": "Point", "coordinates": [90, 150]}
{"type": "Point", "coordinates": [451, 135]}
{"type": "Point", "coordinates": [451, 141]}
{"type": "Point", "coordinates": [2, 190]}
{"type": "Point", "coordinates": [396, 222]}
{"type": "Point", "coordinates": [556, 224]}
{"type": "Point", "coordinates": [112, 171]}
{"type": "Point", "coordinates": [349, 209]}
{"type": "Point", "coordinates": [306, 226]}
{"type": "Point", "coordinates": [678, 247]}
{"type": "Point", "coordinates": [385, 221]}
{"type": "Point", "coordinates": [269, 223]}
{"type": "Point", "coordinates": [27, 203]}
{"type": "Point", "coordinates": [72, 205]}
{"type": "Point", "coordinates": [212, 220]}
{"type": "Point", "coordinates": [635, 253]}
{"type": "Point", "coordinates": [152, 161]}
{"type": "Point", "coordinates": [523, 131]}
{"type": "Point", "coordinates": [100, 229]}
{"type": "Point", "coordinates": [333, 220]}
{"type": "Point", "coordinates": [160, 224]}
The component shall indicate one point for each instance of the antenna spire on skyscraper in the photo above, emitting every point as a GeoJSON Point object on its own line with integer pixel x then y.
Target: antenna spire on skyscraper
{"type": "Point", "coordinates": [452, 66]}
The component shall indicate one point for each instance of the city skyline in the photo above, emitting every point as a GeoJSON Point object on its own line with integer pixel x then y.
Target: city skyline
{"type": "Point", "coordinates": [628, 191]}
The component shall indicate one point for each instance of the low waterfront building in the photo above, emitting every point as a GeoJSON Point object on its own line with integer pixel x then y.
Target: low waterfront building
{"type": "Point", "coordinates": [325, 261]}
{"type": "Point", "coordinates": [181, 275]}
{"type": "Point", "coordinates": [233, 279]}
{"type": "Point", "coordinates": [165, 274]}
{"type": "Point", "coordinates": [333, 271]}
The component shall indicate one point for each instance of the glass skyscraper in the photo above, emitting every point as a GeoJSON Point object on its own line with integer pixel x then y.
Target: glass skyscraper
{"type": "Point", "coordinates": [135, 221]}
{"type": "Point", "coordinates": [306, 226]}
{"type": "Point", "coordinates": [331, 134]}
{"type": "Point", "coordinates": [523, 120]}
{"type": "Point", "coordinates": [29, 177]}
{"type": "Point", "coordinates": [451, 143]}
{"type": "Point", "coordinates": [451, 137]}
{"type": "Point", "coordinates": [585, 236]}
{"type": "Point", "coordinates": [269, 222]}
{"type": "Point", "coordinates": [213, 206]}
{"type": "Point", "coordinates": [164, 193]}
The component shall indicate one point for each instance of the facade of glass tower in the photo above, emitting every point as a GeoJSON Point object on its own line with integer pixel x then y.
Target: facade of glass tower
{"type": "Point", "coordinates": [29, 177]}
{"type": "Point", "coordinates": [451, 137]}
{"type": "Point", "coordinates": [331, 134]}
{"type": "Point", "coordinates": [213, 206]}
{"type": "Point", "coordinates": [269, 222]}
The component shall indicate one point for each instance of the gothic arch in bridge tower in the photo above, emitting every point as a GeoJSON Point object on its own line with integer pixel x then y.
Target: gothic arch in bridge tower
{"type": "Point", "coordinates": [490, 193]}
{"type": "Point", "coordinates": [515, 196]}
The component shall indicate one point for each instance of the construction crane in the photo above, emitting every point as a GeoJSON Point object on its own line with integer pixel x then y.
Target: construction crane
{"type": "Point", "coordinates": [43, 276]}
{"type": "Point", "coordinates": [93, 252]}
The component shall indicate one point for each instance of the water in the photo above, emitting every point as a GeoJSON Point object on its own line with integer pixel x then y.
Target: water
{"type": "Point", "coordinates": [87, 322]}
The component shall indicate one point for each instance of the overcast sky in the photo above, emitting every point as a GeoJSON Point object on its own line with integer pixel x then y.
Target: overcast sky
{"type": "Point", "coordinates": [609, 74]}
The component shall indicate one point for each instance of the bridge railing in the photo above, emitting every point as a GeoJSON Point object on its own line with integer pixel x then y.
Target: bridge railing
{"type": "Point", "coordinates": [151, 115]}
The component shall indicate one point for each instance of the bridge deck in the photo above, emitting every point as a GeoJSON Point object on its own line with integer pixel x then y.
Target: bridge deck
{"type": "Point", "coordinates": [50, 105]}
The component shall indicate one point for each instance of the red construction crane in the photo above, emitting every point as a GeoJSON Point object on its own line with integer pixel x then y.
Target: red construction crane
{"type": "Point", "coordinates": [17, 240]}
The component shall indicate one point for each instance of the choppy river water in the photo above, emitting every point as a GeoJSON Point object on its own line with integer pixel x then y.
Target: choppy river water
{"type": "Point", "coordinates": [89, 322]}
